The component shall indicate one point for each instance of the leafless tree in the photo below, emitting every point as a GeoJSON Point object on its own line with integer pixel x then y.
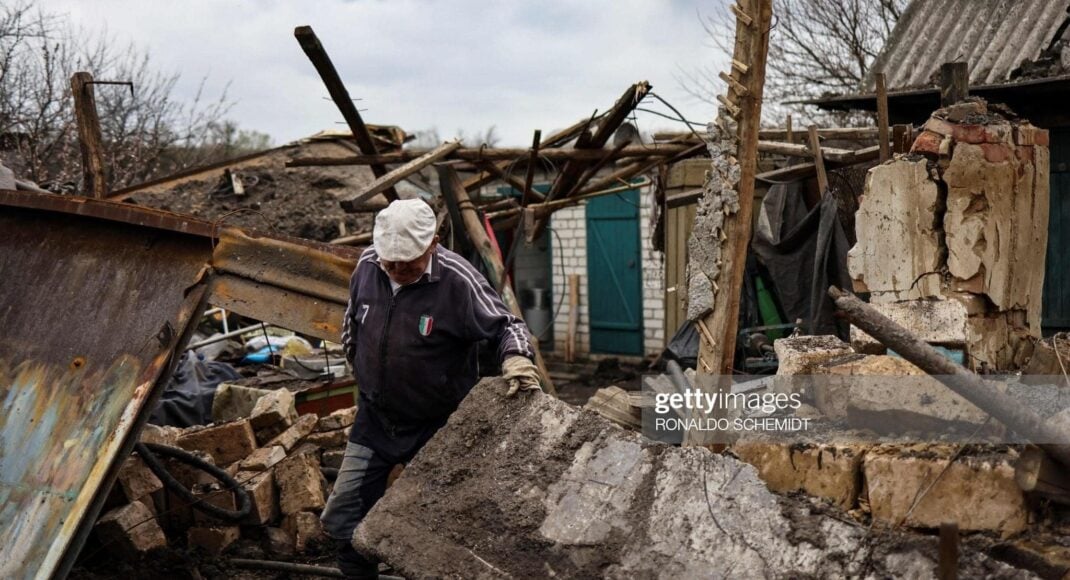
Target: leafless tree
{"type": "Point", "coordinates": [816, 48]}
{"type": "Point", "coordinates": [147, 132]}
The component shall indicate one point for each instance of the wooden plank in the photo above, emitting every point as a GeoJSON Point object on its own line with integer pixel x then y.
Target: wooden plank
{"type": "Point", "coordinates": [954, 83]}
{"type": "Point", "coordinates": [340, 95]}
{"type": "Point", "coordinates": [496, 170]}
{"type": "Point", "coordinates": [808, 170]}
{"type": "Point", "coordinates": [751, 46]}
{"type": "Point", "coordinates": [555, 140]}
{"type": "Point", "coordinates": [385, 182]}
{"type": "Point", "coordinates": [882, 118]}
{"type": "Point", "coordinates": [622, 175]}
{"type": "Point", "coordinates": [799, 150]}
{"type": "Point", "coordinates": [573, 316]}
{"type": "Point", "coordinates": [789, 135]}
{"type": "Point", "coordinates": [457, 198]}
{"type": "Point", "coordinates": [94, 175]}
{"type": "Point", "coordinates": [819, 161]}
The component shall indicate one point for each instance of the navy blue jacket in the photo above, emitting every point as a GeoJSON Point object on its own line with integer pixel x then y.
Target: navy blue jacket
{"type": "Point", "coordinates": [413, 352]}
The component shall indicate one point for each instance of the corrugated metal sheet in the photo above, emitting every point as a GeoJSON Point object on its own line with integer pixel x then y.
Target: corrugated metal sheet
{"type": "Point", "coordinates": [993, 36]}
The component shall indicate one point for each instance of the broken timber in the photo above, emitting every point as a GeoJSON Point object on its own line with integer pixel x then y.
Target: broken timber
{"type": "Point", "coordinates": [318, 55]}
{"type": "Point", "coordinates": [512, 154]}
{"type": "Point", "coordinates": [460, 204]}
{"type": "Point", "coordinates": [382, 184]}
{"type": "Point", "coordinates": [722, 282]}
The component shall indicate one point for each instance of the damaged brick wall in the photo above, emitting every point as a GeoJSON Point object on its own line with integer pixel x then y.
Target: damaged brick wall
{"type": "Point", "coordinates": [962, 218]}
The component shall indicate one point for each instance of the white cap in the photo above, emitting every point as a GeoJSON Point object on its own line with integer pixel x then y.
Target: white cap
{"type": "Point", "coordinates": [404, 230]}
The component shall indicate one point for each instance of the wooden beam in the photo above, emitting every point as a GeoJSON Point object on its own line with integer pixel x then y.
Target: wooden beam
{"type": "Point", "coordinates": [622, 175]}
{"type": "Point", "coordinates": [819, 161]}
{"type": "Point", "coordinates": [743, 18]}
{"type": "Point", "coordinates": [555, 140]}
{"type": "Point", "coordinates": [546, 208]}
{"type": "Point", "coordinates": [807, 170]}
{"type": "Point", "coordinates": [340, 95]}
{"type": "Point", "coordinates": [455, 195]}
{"type": "Point", "coordinates": [593, 170]}
{"type": "Point", "coordinates": [573, 316]}
{"type": "Point", "coordinates": [954, 83]}
{"type": "Point", "coordinates": [380, 185]}
{"type": "Point", "coordinates": [502, 154]}
{"type": "Point", "coordinates": [882, 118]}
{"type": "Point", "coordinates": [94, 175]}
{"type": "Point", "coordinates": [751, 46]}
{"type": "Point", "coordinates": [799, 150]}
{"type": "Point", "coordinates": [789, 135]}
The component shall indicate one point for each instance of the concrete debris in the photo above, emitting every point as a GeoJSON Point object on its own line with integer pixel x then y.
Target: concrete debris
{"type": "Point", "coordinates": [978, 493]}
{"type": "Point", "coordinates": [556, 491]}
{"type": "Point", "coordinates": [301, 485]}
{"type": "Point", "coordinates": [965, 218]}
{"type": "Point", "coordinates": [336, 438]}
{"type": "Point", "coordinates": [305, 528]}
{"type": "Point", "coordinates": [296, 432]}
{"type": "Point", "coordinates": [273, 408]}
{"type": "Point", "coordinates": [263, 495]}
{"type": "Point", "coordinates": [940, 322]}
{"type": "Point", "coordinates": [159, 435]}
{"type": "Point", "coordinates": [136, 480]}
{"type": "Point", "coordinates": [831, 472]}
{"type": "Point", "coordinates": [263, 458]}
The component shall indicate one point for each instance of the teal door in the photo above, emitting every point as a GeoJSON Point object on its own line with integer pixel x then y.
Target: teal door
{"type": "Point", "coordinates": [1055, 313]}
{"type": "Point", "coordinates": [614, 274]}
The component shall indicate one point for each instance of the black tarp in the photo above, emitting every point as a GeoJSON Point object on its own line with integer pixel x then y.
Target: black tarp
{"type": "Point", "coordinates": [187, 398]}
{"type": "Point", "coordinates": [804, 251]}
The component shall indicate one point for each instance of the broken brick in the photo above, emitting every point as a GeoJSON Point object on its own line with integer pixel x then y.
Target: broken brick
{"type": "Point", "coordinates": [262, 495]}
{"type": "Point", "coordinates": [263, 458]}
{"type": "Point", "coordinates": [136, 480]}
{"type": "Point", "coordinates": [213, 540]}
{"type": "Point", "coordinates": [331, 439]}
{"type": "Point", "coordinates": [131, 530]}
{"type": "Point", "coordinates": [306, 529]}
{"type": "Point", "coordinates": [159, 435]}
{"type": "Point", "coordinates": [827, 471]}
{"type": "Point", "coordinates": [301, 428]}
{"type": "Point", "coordinates": [300, 484]}
{"type": "Point", "coordinates": [226, 443]}
{"type": "Point", "coordinates": [339, 419]}
{"type": "Point", "coordinates": [928, 142]}
{"type": "Point", "coordinates": [273, 408]}
{"type": "Point", "coordinates": [996, 152]}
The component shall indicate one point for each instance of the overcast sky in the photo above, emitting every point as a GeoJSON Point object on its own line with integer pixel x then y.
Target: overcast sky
{"type": "Point", "coordinates": [461, 64]}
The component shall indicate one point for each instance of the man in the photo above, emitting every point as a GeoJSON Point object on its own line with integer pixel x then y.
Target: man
{"type": "Point", "coordinates": [415, 314]}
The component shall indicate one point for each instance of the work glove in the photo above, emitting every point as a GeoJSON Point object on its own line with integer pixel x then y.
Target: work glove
{"type": "Point", "coordinates": [521, 374]}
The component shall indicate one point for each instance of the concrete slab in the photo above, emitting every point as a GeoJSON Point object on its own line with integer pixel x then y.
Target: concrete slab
{"type": "Point", "coordinates": [533, 487]}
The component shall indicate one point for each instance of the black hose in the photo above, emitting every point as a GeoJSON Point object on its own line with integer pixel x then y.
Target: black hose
{"type": "Point", "coordinates": [148, 452]}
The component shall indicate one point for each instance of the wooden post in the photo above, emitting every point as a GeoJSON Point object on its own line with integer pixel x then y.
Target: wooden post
{"type": "Point", "coordinates": [455, 195]}
{"type": "Point", "coordinates": [529, 179]}
{"type": "Point", "coordinates": [94, 176]}
{"type": "Point", "coordinates": [318, 55]}
{"type": "Point", "coordinates": [949, 551]}
{"type": "Point", "coordinates": [954, 83]}
{"type": "Point", "coordinates": [819, 161]}
{"type": "Point", "coordinates": [573, 316]}
{"type": "Point", "coordinates": [882, 117]}
{"type": "Point", "coordinates": [790, 135]}
{"type": "Point", "coordinates": [751, 48]}
{"type": "Point", "coordinates": [901, 138]}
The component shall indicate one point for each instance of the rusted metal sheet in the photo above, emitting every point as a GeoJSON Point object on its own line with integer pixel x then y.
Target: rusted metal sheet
{"type": "Point", "coordinates": [90, 313]}
{"type": "Point", "coordinates": [293, 284]}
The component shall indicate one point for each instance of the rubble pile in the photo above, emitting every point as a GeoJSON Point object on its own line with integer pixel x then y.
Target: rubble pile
{"type": "Point", "coordinates": [952, 238]}
{"type": "Point", "coordinates": [278, 457]}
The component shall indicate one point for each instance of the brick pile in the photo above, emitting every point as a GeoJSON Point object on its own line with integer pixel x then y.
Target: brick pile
{"type": "Point", "coordinates": [276, 455]}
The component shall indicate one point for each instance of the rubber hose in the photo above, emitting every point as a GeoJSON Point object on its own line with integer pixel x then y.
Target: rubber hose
{"type": "Point", "coordinates": [296, 568]}
{"type": "Point", "coordinates": [148, 452]}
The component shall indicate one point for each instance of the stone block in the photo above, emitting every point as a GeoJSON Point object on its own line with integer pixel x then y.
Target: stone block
{"type": "Point", "coordinates": [273, 408]}
{"type": "Point", "coordinates": [827, 471]}
{"type": "Point", "coordinates": [226, 443]}
{"type": "Point", "coordinates": [560, 492]}
{"type": "Point", "coordinates": [278, 541]}
{"type": "Point", "coordinates": [339, 419]}
{"type": "Point", "coordinates": [333, 457]}
{"type": "Point", "coordinates": [296, 432]}
{"type": "Point", "coordinates": [977, 492]}
{"type": "Point", "coordinates": [136, 480]}
{"type": "Point", "coordinates": [160, 435]}
{"type": "Point", "coordinates": [329, 439]}
{"type": "Point", "coordinates": [305, 528]}
{"type": "Point", "coordinates": [130, 530]}
{"type": "Point", "coordinates": [263, 458]}
{"type": "Point", "coordinates": [213, 540]}
{"type": "Point", "coordinates": [263, 495]}
{"type": "Point", "coordinates": [941, 322]}
{"type": "Point", "coordinates": [218, 497]}
{"type": "Point", "coordinates": [800, 355]}
{"type": "Point", "coordinates": [301, 484]}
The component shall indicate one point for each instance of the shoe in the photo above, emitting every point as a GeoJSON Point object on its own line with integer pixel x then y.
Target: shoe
{"type": "Point", "coordinates": [354, 565]}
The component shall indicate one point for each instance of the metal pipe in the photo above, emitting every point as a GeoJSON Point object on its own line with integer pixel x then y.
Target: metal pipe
{"type": "Point", "coordinates": [223, 336]}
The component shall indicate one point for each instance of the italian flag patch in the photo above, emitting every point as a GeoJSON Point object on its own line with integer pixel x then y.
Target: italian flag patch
{"type": "Point", "coordinates": [426, 322]}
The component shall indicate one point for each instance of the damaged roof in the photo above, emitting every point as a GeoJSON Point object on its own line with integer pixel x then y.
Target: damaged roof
{"type": "Point", "coordinates": [994, 36]}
